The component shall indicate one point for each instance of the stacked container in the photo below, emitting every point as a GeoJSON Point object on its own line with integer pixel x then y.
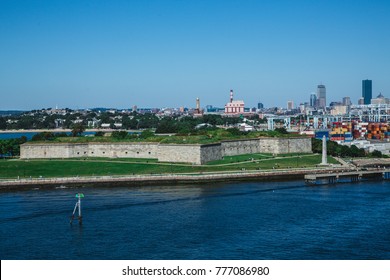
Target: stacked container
{"type": "Point", "coordinates": [341, 131]}
{"type": "Point", "coordinates": [377, 131]}
{"type": "Point", "coordinates": [359, 130]}
{"type": "Point", "coordinates": [321, 133]}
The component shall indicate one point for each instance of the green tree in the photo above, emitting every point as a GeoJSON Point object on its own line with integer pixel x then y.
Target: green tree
{"type": "Point", "coordinates": [99, 134]}
{"type": "Point", "coordinates": [281, 130]}
{"type": "Point", "coordinates": [167, 125]}
{"type": "Point", "coordinates": [376, 154]}
{"type": "Point", "coordinates": [77, 129]}
{"type": "Point", "coordinates": [43, 136]}
{"type": "Point", "coordinates": [146, 134]}
{"type": "Point", "coordinates": [119, 134]}
{"type": "Point", "coordinates": [235, 131]}
{"type": "Point", "coordinates": [11, 147]}
{"type": "Point", "coordinates": [3, 123]}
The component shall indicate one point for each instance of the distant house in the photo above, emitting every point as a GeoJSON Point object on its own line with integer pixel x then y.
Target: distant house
{"type": "Point", "coordinates": [117, 125]}
{"type": "Point", "coordinates": [105, 125]}
{"type": "Point", "coordinates": [245, 127]}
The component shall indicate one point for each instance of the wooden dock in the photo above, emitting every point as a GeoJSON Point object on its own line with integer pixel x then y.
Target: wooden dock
{"type": "Point", "coordinates": [352, 176]}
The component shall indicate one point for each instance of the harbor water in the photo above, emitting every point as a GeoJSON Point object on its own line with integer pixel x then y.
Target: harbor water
{"type": "Point", "coordinates": [29, 135]}
{"type": "Point", "coordinates": [241, 220]}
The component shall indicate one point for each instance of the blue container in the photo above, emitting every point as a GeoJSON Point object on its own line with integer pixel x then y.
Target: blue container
{"type": "Point", "coordinates": [337, 135]}
{"type": "Point", "coordinates": [320, 134]}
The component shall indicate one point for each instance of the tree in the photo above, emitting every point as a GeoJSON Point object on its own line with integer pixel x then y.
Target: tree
{"type": "Point", "coordinates": [77, 129]}
{"type": "Point", "coordinates": [43, 136]}
{"type": "Point", "coordinates": [11, 147]}
{"type": "Point", "coordinates": [119, 134]}
{"type": "Point", "coordinates": [99, 134]}
{"type": "Point", "coordinates": [235, 131]}
{"type": "Point", "coordinates": [3, 123]}
{"type": "Point", "coordinates": [167, 125]}
{"type": "Point", "coordinates": [146, 134]}
{"type": "Point", "coordinates": [281, 130]}
{"type": "Point", "coordinates": [376, 154]}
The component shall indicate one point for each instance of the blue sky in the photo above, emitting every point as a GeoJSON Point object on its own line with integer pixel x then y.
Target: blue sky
{"type": "Point", "coordinates": [161, 53]}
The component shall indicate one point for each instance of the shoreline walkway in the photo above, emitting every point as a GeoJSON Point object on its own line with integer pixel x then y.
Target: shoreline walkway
{"type": "Point", "coordinates": [156, 179]}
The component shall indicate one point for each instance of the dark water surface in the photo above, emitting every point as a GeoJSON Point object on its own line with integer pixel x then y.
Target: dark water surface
{"type": "Point", "coordinates": [264, 220]}
{"type": "Point", "coordinates": [29, 135]}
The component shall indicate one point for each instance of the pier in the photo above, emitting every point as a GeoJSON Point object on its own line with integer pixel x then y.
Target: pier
{"type": "Point", "coordinates": [351, 176]}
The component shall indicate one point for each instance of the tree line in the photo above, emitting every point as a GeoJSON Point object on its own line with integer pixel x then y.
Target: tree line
{"type": "Point", "coordinates": [11, 147]}
{"type": "Point", "coordinates": [337, 150]}
{"type": "Point", "coordinates": [132, 121]}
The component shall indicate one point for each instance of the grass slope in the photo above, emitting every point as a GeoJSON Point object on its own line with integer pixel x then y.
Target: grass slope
{"type": "Point", "coordinates": [102, 167]}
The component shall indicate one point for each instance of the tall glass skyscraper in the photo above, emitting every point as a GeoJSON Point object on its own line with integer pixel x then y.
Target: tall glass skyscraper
{"type": "Point", "coordinates": [313, 100]}
{"type": "Point", "coordinates": [367, 91]}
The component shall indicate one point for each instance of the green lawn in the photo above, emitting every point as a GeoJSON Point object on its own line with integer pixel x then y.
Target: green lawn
{"type": "Point", "coordinates": [104, 166]}
{"type": "Point", "coordinates": [240, 158]}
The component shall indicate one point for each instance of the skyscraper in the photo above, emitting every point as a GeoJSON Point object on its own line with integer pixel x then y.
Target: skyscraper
{"type": "Point", "coordinates": [290, 105]}
{"type": "Point", "coordinates": [321, 96]}
{"type": "Point", "coordinates": [313, 100]}
{"type": "Point", "coordinates": [347, 101]}
{"type": "Point", "coordinates": [367, 91]}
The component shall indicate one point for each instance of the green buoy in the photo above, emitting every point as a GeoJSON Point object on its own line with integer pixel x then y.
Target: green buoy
{"type": "Point", "coordinates": [78, 205]}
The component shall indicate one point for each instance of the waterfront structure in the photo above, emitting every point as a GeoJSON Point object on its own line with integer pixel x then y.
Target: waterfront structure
{"type": "Point", "coordinates": [186, 153]}
{"type": "Point", "coordinates": [321, 96]}
{"type": "Point", "coordinates": [371, 113]}
{"type": "Point", "coordinates": [234, 106]}
{"type": "Point", "coordinates": [367, 91]}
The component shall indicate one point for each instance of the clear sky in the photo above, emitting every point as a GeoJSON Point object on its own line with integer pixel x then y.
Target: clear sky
{"type": "Point", "coordinates": [161, 53]}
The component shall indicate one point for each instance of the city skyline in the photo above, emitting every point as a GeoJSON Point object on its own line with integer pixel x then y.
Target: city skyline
{"type": "Point", "coordinates": [83, 54]}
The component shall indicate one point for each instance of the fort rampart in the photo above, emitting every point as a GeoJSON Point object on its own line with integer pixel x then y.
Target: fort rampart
{"type": "Point", "coordinates": [189, 153]}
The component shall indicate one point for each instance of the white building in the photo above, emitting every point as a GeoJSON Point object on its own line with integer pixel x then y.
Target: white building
{"type": "Point", "coordinates": [338, 110]}
{"type": "Point", "coordinates": [380, 99]}
{"type": "Point", "coordinates": [234, 106]}
{"type": "Point", "coordinates": [245, 127]}
{"type": "Point", "coordinates": [290, 105]}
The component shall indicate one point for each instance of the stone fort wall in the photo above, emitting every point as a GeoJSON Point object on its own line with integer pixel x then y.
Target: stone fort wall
{"type": "Point", "coordinates": [196, 154]}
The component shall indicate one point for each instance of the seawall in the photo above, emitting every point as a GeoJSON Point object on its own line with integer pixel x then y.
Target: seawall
{"type": "Point", "coordinates": [163, 179]}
